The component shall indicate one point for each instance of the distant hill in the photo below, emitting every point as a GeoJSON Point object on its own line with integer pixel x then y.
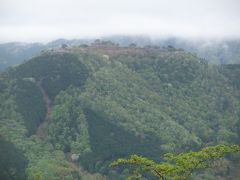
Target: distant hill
{"type": "Point", "coordinates": [109, 101]}
{"type": "Point", "coordinates": [16, 53]}
{"type": "Point", "coordinates": [216, 52]}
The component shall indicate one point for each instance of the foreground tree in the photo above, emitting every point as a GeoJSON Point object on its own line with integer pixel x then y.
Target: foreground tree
{"type": "Point", "coordinates": [176, 167]}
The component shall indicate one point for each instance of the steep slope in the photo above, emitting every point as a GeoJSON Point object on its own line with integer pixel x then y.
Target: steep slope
{"type": "Point", "coordinates": [23, 109]}
{"type": "Point", "coordinates": [104, 102]}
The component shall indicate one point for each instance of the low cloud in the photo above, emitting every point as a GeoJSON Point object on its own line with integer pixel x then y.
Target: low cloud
{"type": "Point", "coordinates": [34, 20]}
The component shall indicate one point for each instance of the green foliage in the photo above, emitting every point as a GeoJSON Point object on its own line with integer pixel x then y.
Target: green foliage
{"type": "Point", "coordinates": [57, 71]}
{"type": "Point", "coordinates": [119, 143]}
{"type": "Point", "coordinates": [51, 166]}
{"type": "Point", "coordinates": [190, 89]}
{"type": "Point", "coordinates": [68, 129]}
{"type": "Point", "coordinates": [124, 98]}
{"type": "Point", "coordinates": [111, 102]}
{"type": "Point", "coordinates": [30, 103]}
{"type": "Point", "coordinates": [178, 167]}
{"type": "Point", "coordinates": [13, 163]}
{"type": "Point", "coordinates": [43, 161]}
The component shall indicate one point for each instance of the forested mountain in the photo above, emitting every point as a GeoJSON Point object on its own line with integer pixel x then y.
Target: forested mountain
{"type": "Point", "coordinates": [216, 52]}
{"type": "Point", "coordinates": [69, 112]}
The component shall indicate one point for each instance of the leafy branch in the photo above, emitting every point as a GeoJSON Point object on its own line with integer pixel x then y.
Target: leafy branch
{"type": "Point", "coordinates": [177, 167]}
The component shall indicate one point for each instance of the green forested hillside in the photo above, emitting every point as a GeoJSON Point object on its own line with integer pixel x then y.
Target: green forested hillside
{"type": "Point", "coordinates": [109, 102]}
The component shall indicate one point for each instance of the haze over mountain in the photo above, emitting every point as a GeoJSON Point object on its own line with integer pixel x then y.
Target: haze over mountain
{"type": "Point", "coordinates": [84, 83]}
{"type": "Point", "coordinates": [210, 29]}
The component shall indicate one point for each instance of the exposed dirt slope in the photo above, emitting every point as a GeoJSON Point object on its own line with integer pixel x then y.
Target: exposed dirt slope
{"type": "Point", "coordinates": [48, 103]}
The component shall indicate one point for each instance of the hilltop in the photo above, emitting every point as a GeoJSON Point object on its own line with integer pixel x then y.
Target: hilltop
{"type": "Point", "coordinates": [215, 52]}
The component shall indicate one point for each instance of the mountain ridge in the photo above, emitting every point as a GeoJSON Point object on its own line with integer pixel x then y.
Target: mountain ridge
{"type": "Point", "coordinates": [217, 52]}
{"type": "Point", "coordinates": [110, 102]}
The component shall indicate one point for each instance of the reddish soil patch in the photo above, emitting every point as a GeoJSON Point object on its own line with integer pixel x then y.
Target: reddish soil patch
{"type": "Point", "coordinates": [48, 103]}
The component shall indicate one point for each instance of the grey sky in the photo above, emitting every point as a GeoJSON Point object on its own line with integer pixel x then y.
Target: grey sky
{"type": "Point", "coordinates": [44, 20]}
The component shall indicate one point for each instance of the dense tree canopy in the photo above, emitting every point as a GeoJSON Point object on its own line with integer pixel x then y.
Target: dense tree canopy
{"type": "Point", "coordinates": [108, 102]}
{"type": "Point", "coordinates": [13, 163]}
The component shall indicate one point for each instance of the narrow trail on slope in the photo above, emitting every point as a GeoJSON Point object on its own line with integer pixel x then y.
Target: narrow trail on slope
{"type": "Point", "coordinates": [48, 104]}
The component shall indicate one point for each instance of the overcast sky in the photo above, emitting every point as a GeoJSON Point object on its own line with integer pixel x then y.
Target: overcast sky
{"type": "Point", "coordinates": [45, 20]}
